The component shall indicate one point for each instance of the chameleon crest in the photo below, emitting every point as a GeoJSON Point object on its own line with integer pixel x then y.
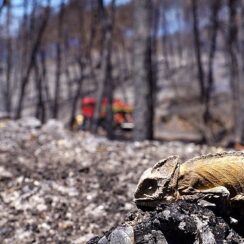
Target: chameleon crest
{"type": "Point", "coordinates": [218, 175]}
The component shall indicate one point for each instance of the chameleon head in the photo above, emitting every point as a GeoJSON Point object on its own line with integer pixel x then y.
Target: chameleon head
{"type": "Point", "coordinates": [158, 184]}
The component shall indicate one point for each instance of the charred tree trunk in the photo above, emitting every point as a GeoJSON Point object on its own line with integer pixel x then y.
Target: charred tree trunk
{"type": "Point", "coordinates": [178, 33]}
{"type": "Point", "coordinates": [66, 53]}
{"type": "Point", "coordinates": [143, 71]}
{"type": "Point", "coordinates": [164, 43]}
{"type": "Point", "coordinates": [81, 60]}
{"type": "Point", "coordinates": [155, 29]}
{"type": "Point", "coordinates": [58, 63]}
{"type": "Point", "coordinates": [25, 45]}
{"type": "Point", "coordinates": [105, 83]}
{"type": "Point", "coordinates": [232, 48]}
{"type": "Point", "coordinates": [92, 38]}
{"type": "Point", "coordinates": [76, 96]}
{"type": "Point", "coordinates": [40, 106]}
{"type": "Point", "coordinates": [8, 98]}
{"type": "Point", "coordinates": [46, 93]}
{"type": "Point", "coordinates": [101, 84]}
{"type": "Point", "coordinates": [30, 65]}
{"type": "Point", "coordinates": [215, 5]}
{"type": "Point", "coordinates": [197, 46]}
{"type": "Point", "coordinates": [241, 39]}
{"type": "Point", "coordinates": [241, 67]}
{"type": "Point", "coordinates": [108, 79]}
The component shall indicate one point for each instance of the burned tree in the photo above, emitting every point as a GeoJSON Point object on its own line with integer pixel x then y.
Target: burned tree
{"type": "Point", "coordinates": [241, 66]}
{"type": "Point", "coordinates": [31, 60]}
{"type": "Point", "coordinates": [81, 60]}
{"type": "Point", "coordinates": [144, 81]}
{"type": "Point", "coordinates": [105, 85]}
{"type": "Point", "coordinates": [232, 49]}
{"type": "Point", "coordinates": [214, 22]}
{"type": "Point", "coordinates": [40, 105]}
{"type": "Point", "coordinates": [107, 69]}
{"type": "Point", "coordinates": [58, 62]}
{"type": "Point", "coordinates": [197, 47]}
{"type": "Point", "coordinates": [8, 86]}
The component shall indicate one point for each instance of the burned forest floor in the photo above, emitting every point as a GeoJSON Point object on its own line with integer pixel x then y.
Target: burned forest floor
{"type": "Point", "coordinates": [58, 186]}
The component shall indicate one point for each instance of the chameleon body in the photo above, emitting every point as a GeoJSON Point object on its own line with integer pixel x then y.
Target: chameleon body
{"type": "Point", "coordinates": [219, 174]}
{"type": "Point", "coordinates": [202, 173]}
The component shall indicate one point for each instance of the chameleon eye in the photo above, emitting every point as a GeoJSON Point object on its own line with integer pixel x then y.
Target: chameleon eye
{"type": "Point", "coordinates": [150, 185]}
{"type": "Point", "coordinates": [147, 187]}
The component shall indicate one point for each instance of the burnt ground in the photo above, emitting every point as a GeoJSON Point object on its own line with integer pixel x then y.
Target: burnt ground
{"type": "Point", "coordinates": [176, 223]}
{"type": "Point", "coordinates": [58, 186]}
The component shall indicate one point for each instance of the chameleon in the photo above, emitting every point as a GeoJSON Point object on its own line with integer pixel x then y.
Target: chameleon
{"type": "Point", "coordinates": [203, 177]}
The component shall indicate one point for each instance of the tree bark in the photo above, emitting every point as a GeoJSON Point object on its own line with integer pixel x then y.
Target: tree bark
{"type": "Point", "coordinates": [81, 59]}
{"type": "Point", "coordinates": [40, 106]}
{"type": "Point", "coordinates": [76, 96]}
{"type": "Point", "coordinates": [143, 71]}
{"type": "Point", "coordinates": [241, 67]}
{"type": "Point", "coordinates": [108, 79]}
{"type": "Point", "coordinates": [197, 46]}
{"type": "Point", "coordinates": [46, 93]}
{"type": "Point", "coordinates": [58, 62]}
{"type": "Point", "coordinates": [30, 65]}
{"type": "Point", "coordinates": [105, 83]}
{"type": "Point", "coordinates": [164, 42]}
{"type": "Point", "coordinates": [232, 48]}
{"type": "Point", "coordinates": [8, 97]}
{"type": "Point", "coordinates": [215, 5]}
{"type": "Point", "coordinates": [66, 53]}
{"type": "Point", "coordinates": [178, 33]}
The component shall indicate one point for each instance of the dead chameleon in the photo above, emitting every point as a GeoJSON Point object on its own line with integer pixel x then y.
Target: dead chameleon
{"type": "Point", "coordinates": [201, 178]}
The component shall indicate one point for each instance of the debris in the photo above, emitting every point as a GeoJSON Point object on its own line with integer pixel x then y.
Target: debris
{"type": "Point", "coordinates": [179, 222]}
{"type": "Point", "coordinates": [29, 122]}
{"type": "Point", "coordinates": [53, 182]}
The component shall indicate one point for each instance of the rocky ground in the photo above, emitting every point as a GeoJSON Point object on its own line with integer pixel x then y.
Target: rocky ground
{"type": "Point", "coordinates": [176, 223]}
{"type": "Point", "coordinates": [58, 186]}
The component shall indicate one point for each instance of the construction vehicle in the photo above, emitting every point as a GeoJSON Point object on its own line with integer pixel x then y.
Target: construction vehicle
{"type": "Point", "coordinates": [122, 114]}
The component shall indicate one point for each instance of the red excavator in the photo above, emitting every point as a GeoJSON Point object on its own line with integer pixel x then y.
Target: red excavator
{"type": "Point", "coordinates": [122, 114]}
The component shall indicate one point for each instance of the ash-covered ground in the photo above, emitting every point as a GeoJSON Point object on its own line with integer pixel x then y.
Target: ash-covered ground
{"type": "Point", "coordinates": [58, 186]}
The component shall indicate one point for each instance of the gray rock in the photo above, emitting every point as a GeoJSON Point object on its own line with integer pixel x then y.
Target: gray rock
{"type": "Point", "coordinates": [122, 235]}
{"type": "Point", "coordinates": [29, 122]}
{"type": "Point", "coordinates": [54, 128]}
{"type": "Point", "coordinates": [179, 222]}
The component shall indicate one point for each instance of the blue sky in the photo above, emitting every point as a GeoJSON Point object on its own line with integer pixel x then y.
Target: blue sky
{"type": "Point", "coordinates": [55, 3]}
{"type": "Point", "coordinates": [18, 12]}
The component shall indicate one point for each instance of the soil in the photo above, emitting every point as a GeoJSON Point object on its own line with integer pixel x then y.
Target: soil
{"type": "Point", "coordinates": [58, 186]}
